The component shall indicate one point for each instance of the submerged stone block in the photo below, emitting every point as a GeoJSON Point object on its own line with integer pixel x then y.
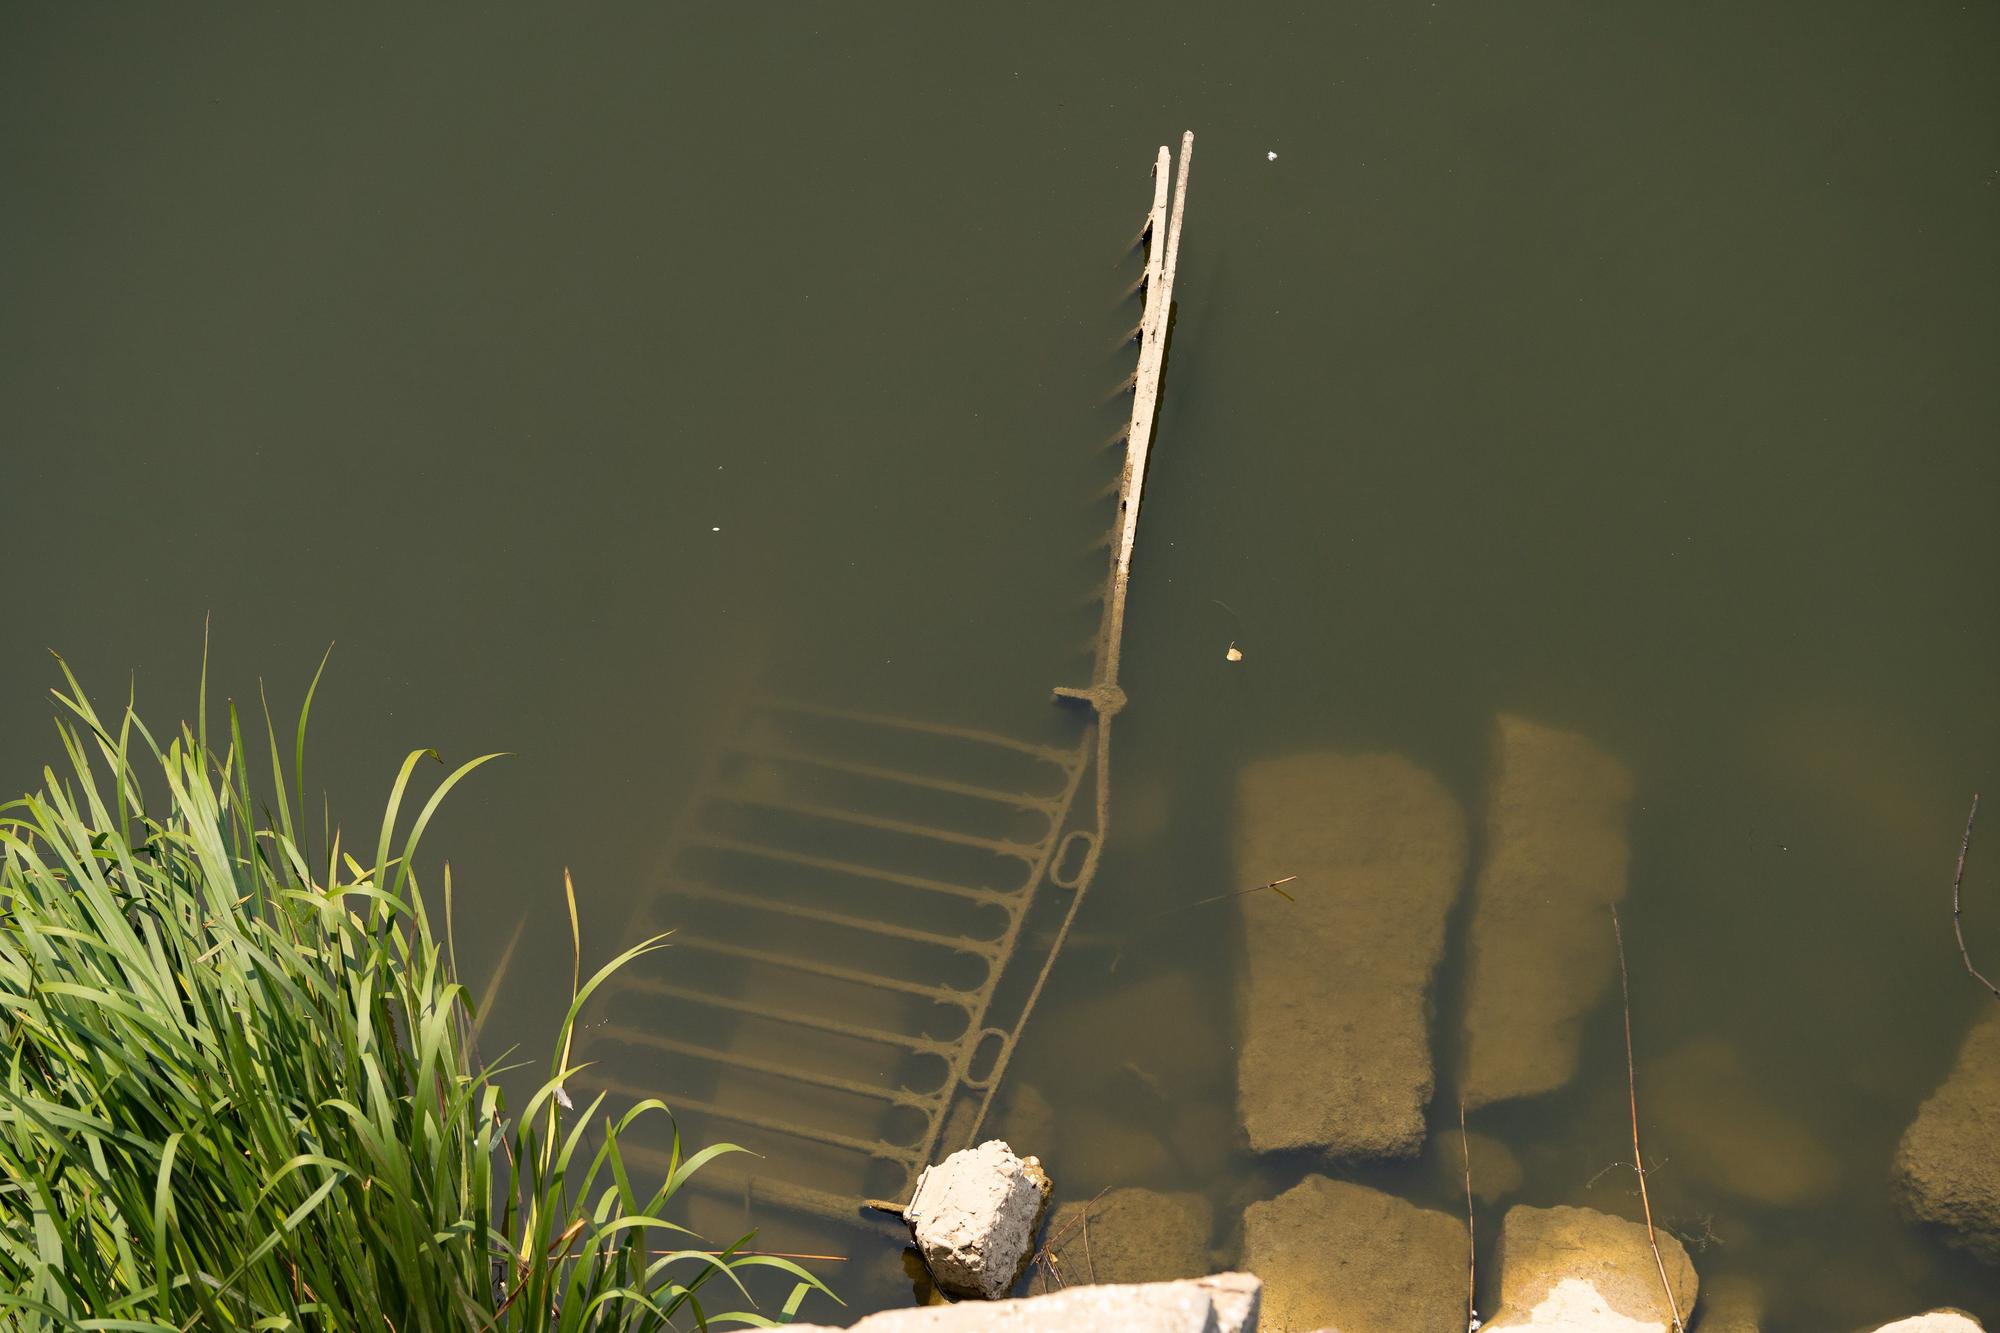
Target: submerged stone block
{"type": "Point", "coordinates": [1733, 1304]}
{"type": "Point", "coordinates": [1715, 1118]}
{"type": "Point", "coordinates": [974, 1217]}
{"type": "Point", "coordinates": [1333, 1048]}
{"type": "Point", "coordinates": [1338, 1255]}
{"type": "Point", "coordinates": [1496, 1172]}
{"type": "Point", "coordinates": [1131, 1235]}
{"type": "Point", "coordinates": [1582, 1270]}
{"type": "Point", "coordinates": [1541, 944]}
{"type": "Point", "coordinates": [1948, 1164]}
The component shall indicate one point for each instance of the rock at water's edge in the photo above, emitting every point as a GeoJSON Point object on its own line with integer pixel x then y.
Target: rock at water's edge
{"type": "Point", "coordinates": [974, 1216]}
{"type": "Point", "coordinates": [1936, 1321]}
{"type": "Point", "coordinates": [1577, 1268]}
{"type": "Point", "coordinates": [1541, 944]}
{"type": "Point", "coordinates": [1340, 1255]}
{"type": "Point", "coordinates": [1225, 1303]}
{"type": "Point", "coordinates": [1334, 1052]}
{"type": "Point", "coordinates": [1948, 1164]}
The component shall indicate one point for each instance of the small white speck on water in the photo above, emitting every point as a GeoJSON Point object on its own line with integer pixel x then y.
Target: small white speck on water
{"type": "Point", "coordinates": [1270, 157]}
{"type": "Point", "coordinates": [715, 529]}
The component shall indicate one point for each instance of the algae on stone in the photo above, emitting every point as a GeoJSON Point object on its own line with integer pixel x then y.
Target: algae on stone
{"type": "Point", "coordinates": [1333, 1050]}
{"type": "Point", "coordinates": [1541, 946]}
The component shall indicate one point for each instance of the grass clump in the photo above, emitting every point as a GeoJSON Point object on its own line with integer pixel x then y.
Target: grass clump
{"type": "Point", "coordinates": [239, 1088]}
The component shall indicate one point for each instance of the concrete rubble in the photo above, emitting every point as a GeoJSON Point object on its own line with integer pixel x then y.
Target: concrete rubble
{"type": "Point", "coordinates": [1225, 1303]}
{"type": "Point", "coordinates": [1131, 1235]}
{"type": "Point", "coordinates": [1948, 1165]}
{"type": "Point", "coordinates": [1582, 1270]}
{"type": "Point", "coordinates": [974, 1216]}
{"type": "Point", "coordinates": [1338, 1255]}
{"type": "Point", "coordinates": [1334, 1053]}
{"type": "Point", "coordinates": [1541, 945]}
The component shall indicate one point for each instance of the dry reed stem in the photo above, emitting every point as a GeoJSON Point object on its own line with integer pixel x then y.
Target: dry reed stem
{"type": "Point", "coordinates": [1957, 881]}
{"type": "Point", "coordinates": [1638, 1161]}
{"type": "Point", "coordinates": [1050, 1263]}
{"type": "Point", "coordinates": [1471, 1244]}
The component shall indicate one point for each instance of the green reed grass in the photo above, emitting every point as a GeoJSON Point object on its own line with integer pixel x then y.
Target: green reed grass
{"type": "Point", "coordinates": [240, 1092]}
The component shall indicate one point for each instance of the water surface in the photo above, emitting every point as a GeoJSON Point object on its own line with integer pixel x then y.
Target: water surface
{"type": "Point", "coordinates": [1628, 369]}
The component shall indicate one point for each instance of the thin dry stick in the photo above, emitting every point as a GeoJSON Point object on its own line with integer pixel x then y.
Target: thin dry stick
{"type": "Point", "coordinates": [1638, 1161]}
{"type": "Point", "coordinates": [1957, 880]}
{"type": "Point", "coordinates": [1471, 1245]}
{"type": "Point", "coordinates": [1049, 1262]}
{"type": "Point", "coordinates": [1273, 887]}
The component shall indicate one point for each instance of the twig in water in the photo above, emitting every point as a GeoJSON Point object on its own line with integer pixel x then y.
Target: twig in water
{"type": "Point", "coordinates": [1471, 1245]}
{"type": "Point", "coordinates": [1957, 879]}
{"type": "Point", "coordinates": [1089, 1264]}
{"type": "Point", "coordinates": [1638, 1159]}
{"type": "Point", "coordinates": [1050, 1262]}
{"type": "Point", "coordinates": [1273, 887]}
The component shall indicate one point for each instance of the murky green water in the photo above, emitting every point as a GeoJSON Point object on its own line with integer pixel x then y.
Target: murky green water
{"type": "Point", "coordinates": [1630, 370]}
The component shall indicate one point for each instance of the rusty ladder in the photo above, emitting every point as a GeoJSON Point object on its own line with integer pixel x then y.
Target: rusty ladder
{"type": "Point", "coordinates": [866, 908]}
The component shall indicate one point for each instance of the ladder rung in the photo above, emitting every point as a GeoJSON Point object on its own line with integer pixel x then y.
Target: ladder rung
{"type": "Point", "coordinates": [840, 815]}
{"type": "Point", "coordinates": [757, 1065]}
{"type": "Point", "coordinates": [859, 871]}
{"type": "Point", "coordinates": [708, 893]}
{"type": "Point", "coordinates": [1020, 800]}
{"type": "Point", "coordinates": [818, 1022]}
{"type": "Point", "coordinates": [1065, 759]}
{"type": "Point", "coordinates": [942, 994]}
{"type": "Point", "coordinates": [873, 1147]}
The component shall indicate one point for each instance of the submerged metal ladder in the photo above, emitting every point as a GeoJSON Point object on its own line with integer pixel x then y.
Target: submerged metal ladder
{"type": "Point", "coordinates": [866, 908]}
